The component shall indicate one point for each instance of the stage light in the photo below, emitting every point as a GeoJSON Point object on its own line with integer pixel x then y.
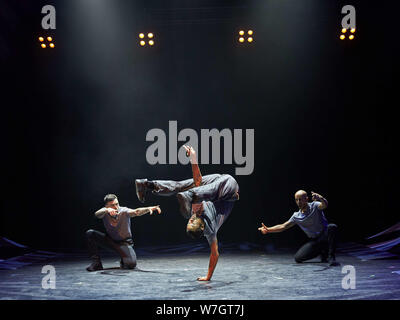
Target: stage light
{"type": "Point", "coordinates": [344, 31]}
{"type": "Point", "coordinates": [150, 39]}
{"type": "Point", "coordinates": [242, 36]}
{"type": "Point", "coordinates": [43, 40]}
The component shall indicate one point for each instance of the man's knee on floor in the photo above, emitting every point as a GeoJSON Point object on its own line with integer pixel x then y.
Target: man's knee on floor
{"type": "Point", "coordinates": [332, 228]}
{"type": "Point", "coordinates": [298, 259]}
{"type": "Point", "coordinates": [90, 233]}
{"type": "Point", "coordinates": [129, 264]}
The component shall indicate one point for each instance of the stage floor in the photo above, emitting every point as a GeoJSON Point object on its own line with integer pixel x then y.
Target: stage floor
{"type": "Point", "coordinates": [254, 275]}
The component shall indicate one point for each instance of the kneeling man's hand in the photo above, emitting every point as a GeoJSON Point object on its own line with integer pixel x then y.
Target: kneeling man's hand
{"type": "Point", "coordinates": [155, 208]}
{"type": "Point", "coordinates": [263, 229]}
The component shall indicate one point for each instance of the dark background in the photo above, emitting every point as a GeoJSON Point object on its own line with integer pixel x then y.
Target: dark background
{"type": "Point", "coordinates": [74, 119]}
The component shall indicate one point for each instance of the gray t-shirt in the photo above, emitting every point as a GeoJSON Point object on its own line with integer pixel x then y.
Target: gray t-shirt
{"type": "Point", "coordinates": [120, 228]}
{"type": "Point", "coordinates": [312, 222]}
{"type": "Point", "coordinates": [214, 215]}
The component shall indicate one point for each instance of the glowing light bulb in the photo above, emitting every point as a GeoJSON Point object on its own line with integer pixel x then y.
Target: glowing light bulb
{"type": "Point", "coordinates": [241, 39]}
{"type": "Point", "coordinates": [141, 35]}
{"type": "Point", "coordinates": [344, 30]}
{"type": "Point", "coordinates": [353, 30]}
{"type": "Point", "coordinates": [241, 32]}
{"type": "Point", "coordinates": [342, 37]}
{"type": "Point", "coordinates": [49, 39]}
{"type": "Point", "coordinates": [41, 39]}
{"type": "Point", "coordinates": [351, 37]}
{"type": "Point", "coordinates": [43, 45]}
{"type": "Point", "coordinates": [150, 35]}
{"type": "Point", "coordinates": [151, 42]}
{"type": "Point", "coordinates": [250, 39]}
{"type": "Point", "coordinates": [51, 45]}
{"type": "Point", "coordinates": [142, 43]}
{"type": "Point", "coordinates": [250, 32]}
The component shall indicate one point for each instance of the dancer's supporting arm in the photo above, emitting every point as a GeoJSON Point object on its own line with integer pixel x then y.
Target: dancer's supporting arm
{"type": "Point", "coordinates": [141, 211]}
{"type": "Point", "coordinates": [276, 228]}
{"type": "Point", "coordinates": [195, 166]}
{"type": "Point", "coordinates": [213, 261]}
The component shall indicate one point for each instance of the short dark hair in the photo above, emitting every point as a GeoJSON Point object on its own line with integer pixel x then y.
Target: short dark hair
{"type": "Point", "coordinates": [198, 231]}
{"type": "Point", "coordinates": [109, 197]}
{"type": "Point", "coordinates": [195, 234]}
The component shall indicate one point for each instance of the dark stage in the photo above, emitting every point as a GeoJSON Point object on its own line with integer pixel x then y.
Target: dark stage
{"type": "Point", "coordinates": [289, 105]}
{"type": "Point", "coordinates": [170, 274]}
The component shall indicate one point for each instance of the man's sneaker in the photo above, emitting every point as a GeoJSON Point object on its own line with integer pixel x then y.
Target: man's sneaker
{"type": "Point", "coordinates": [185, 203]}
{"type": "Point", "coordinates": [332, 262]}
{"type": "Point", "coordinates": [141, 189]}
{"type": "Point", "coordinates": [96, 265]}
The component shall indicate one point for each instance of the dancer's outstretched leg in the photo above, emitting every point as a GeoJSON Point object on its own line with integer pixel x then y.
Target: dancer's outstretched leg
{"type": "Point", "coordinates": [169, 187]}
{"type": "Point", "coordinates": [224, 188]}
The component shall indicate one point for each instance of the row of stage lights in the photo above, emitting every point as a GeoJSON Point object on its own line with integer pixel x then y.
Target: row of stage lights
{"type": "Point", "coordinates": [344, 31]}
{"type": "Point", "coordinates": [143, 41]}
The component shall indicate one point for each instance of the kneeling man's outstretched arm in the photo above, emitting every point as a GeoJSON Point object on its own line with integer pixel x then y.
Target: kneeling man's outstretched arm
{"type": "Point", "coordinates": [141, 211]}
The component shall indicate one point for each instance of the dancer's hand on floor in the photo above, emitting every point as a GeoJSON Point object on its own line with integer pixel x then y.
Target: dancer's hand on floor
{"type": "Point", "coordinates": [203, 279]}
{"type": "Point", "coordinates": [155, 208]}
{"type": "Point", "coordinates": [263, 229]}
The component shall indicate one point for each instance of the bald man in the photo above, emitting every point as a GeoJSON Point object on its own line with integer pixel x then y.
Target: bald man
{"type": "Point", "coordinates": [311, 219]}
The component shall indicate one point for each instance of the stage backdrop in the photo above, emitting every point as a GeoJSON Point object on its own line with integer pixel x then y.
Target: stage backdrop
{"type": "Point", "coordinates": [75, 117]}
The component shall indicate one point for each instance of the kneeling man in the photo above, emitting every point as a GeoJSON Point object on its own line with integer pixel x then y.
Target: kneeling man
{"type": "Point", "coordinates": [118, 234]}
{"type": "Point", "coordinates": [311, 219]}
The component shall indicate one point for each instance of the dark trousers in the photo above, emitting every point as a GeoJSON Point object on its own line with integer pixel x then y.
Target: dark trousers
{"type": "Point", "coordinates": [213, 187]}
{"type": "Point", "coordinates": [324, 245]}
{"type": "Point", "coordinates": [123, 248]}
